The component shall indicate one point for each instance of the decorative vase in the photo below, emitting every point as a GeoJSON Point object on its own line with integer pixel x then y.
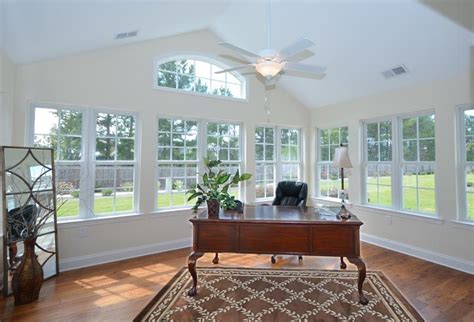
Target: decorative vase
{"type": "Point", "coordinates": [213, 207]}
{"type": "Point", "coordinates": [28, 277]}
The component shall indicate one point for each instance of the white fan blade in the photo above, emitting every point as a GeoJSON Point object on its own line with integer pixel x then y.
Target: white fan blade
{"type": "Point", "coordinates": [302, 55]}
{"type": "Point", "coordinates": [233, 68]}
{"type": "Point", "coordinates": [305, 70]}
{"type": "Point", "coordinates": [295, 48]}
{"type": "Point", "coordinates": [239, 50]}
{"type": "Point", "coordinates": [237, 59]}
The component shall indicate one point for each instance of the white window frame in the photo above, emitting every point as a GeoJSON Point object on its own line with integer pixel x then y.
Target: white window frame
{"type": "Point", "coordinates": [463, 164]}
{"type": "Point", "coordinates": [393, 163]}
{"type": "Point", "coordinates": [88, 162]}
{"type": "Point", "coordinates": [196, 56]}
{"type": "Point", "coordinates": [198, 162]}
{"type": "Point", "coordinates": [397, 163]}
{"type": "Point", "coordinates": [267, 163]}
{"type": "Point", "coordinates": [94, 162]}
{"type": "Point", "coordinates": [201, 153]}
{"type": "Point", "coordinates": [238, 163]}
{"type": "Point", "coordinates": [278, 162]}
{"type": "Point", "coordinates": [319, 163]}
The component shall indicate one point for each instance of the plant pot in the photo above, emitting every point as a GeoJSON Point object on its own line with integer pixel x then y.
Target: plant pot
{"type": "Point", "coordinates": [213, 207]}
{"type": "Point", "coordinates": [28, 277]}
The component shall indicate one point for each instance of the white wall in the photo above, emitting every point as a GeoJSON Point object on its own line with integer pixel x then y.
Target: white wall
{"type": "Point", "coordinates": [472, 74]}
{"type": "Point", "coordinates": [122, 78]}
{"type": "Point", "coordinates": [7, 82]}
{"type": "Point", "coordinates": [439, 238]}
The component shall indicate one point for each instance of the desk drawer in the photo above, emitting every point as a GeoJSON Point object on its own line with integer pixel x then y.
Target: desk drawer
{"type": "Point", "coordinates": [216, 237]}
{"type": "Point", "coordinates": [335, 241]}
{"type": "Point", "coordinates": [269, 239]}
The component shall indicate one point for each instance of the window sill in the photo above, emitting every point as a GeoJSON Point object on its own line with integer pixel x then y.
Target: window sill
{"type": "Point", "coordinates": [332, 201]}
{"type": "Point", "coordinates": [401, 214]}
{"type": "Point", "coordinates": [468, 225]}
{"type": "Point", "coordinates": [262, 201]}
{"type": "Point", "coordinates": [93, 221]}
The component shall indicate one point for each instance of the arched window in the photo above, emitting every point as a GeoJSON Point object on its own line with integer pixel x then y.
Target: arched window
{"type": "Point", "coordinates": [197, 74]}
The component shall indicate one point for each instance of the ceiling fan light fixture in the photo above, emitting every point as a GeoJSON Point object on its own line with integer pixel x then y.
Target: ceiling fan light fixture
{"type": "Point", "coordinates": [268, 68]}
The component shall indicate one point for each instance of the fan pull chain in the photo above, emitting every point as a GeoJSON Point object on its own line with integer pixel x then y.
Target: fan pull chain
{"type": "Point", "coordinates": [268, 26]}
{"type": "Point", "coordinates": [267, 107]}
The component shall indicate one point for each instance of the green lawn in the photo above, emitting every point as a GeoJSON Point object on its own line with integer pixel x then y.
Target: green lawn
{"type": "Point", "coordinates": [103, 205]}
{"type": "Point", "coordinates": [426, 202]}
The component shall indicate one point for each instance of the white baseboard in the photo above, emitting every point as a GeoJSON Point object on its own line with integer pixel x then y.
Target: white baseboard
{"type": "Point", "coordinates": [131, 252]}
{"type": "Point", "coordinates": [121, 254]}
{"type": "Point", "coordinates": [430, 256]}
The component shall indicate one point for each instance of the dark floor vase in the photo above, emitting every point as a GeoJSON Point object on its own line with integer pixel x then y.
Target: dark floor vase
{"type": "Point", "coordinates": [213, 207]}
{"type": "Point", "coordinates": [28, 277]}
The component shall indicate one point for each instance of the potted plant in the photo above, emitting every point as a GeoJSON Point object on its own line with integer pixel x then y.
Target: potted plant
{"type": "Point", "coordinates": [215, 188]}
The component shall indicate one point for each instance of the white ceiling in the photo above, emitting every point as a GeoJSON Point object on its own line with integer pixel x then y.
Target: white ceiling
{"type": "Point", "coordinates": [355, 40]}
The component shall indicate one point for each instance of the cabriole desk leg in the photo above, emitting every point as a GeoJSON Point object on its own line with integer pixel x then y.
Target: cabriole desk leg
{"type": "Point", "coordinates": [361, 268]}
{"type": "Point", "coordinates": [216, 259]}
{"type": "Point", "coordinates": [192, 270]}
{"type": "Point", "coordinates": [343, 264]}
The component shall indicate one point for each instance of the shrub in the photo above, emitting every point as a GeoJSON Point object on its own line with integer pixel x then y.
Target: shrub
{"type": "Point", "coordinates": [470, 184]}
{"type": "Point", "coordinates": [107, 192]}
{"type": "Point", "coordinates": [127, 186]}
{"type": "Point", "coordinates": [75, 193]}
{"type": "Point", "coordinates": [178, 185]}
{"type": "Point", "coordinates": [63, 188]}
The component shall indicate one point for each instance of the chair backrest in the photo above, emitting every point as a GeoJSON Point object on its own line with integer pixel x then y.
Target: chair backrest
{"type": "Point", "coordinates": [291, 193]}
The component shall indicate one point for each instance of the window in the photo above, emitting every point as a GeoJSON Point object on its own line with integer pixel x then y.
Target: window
{"type": "Point", "coordinates": [61, 129]}
{"type": "Point", "coordinates": [418, 156]}
{"type": "Point", "coordinates": [265, 162]}
{"type": "Point", "coordinates": [177, 161]}
{"type": "Point", "coordinates": [199, 76]}
{"type": "Point", "coordinates": [379, 163]}
{"type": "Point", "coordinates": [181, 146]}
{"type": "Point", "coordinates": [467, 160]}
{"type": "Point", "coordinates": [223, 143]}
{"type": "Point", "coordinates": [400, 163]}
{"type": "Point", "coordinates": [290, 154]}
{"type": "Point", "coordinates": [95, 158]}
{"type": "Point", "coordinates": [329, 176]}
{"type": "Point", "coordinates": [114, 163]}
{"type": "Point", "coordinates": [277, 157]}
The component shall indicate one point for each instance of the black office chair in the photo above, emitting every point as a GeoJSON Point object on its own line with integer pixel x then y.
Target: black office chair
{"type": "Point", "coordinates": [293, 194]}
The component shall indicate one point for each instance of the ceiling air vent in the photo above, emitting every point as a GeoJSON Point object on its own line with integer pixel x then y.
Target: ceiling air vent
{"type": "Point", "coordinates": [129, 34]}
{"type": "Point", "coordinates": [396, 71]}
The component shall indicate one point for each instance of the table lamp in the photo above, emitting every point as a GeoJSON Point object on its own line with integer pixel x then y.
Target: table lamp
{"type": "Point", "coordinates": [341, 160]}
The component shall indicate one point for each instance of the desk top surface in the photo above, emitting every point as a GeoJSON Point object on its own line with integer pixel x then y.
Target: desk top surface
{"type": "Point", "coordinates": [281, 214]}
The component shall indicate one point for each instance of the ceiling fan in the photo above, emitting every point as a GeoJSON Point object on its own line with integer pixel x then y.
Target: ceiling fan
{"type": "Point", "coordinates": [270, 62]}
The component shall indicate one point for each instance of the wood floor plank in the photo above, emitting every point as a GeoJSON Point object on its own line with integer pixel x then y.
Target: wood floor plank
{"type": "Point", "coordinates": [118, 291]}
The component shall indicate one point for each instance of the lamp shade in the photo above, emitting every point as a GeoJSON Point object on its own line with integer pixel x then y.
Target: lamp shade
{"type": "Point", "coordinates": [341, 158]}
{"type": "Point", "coordinates": [269, 68]}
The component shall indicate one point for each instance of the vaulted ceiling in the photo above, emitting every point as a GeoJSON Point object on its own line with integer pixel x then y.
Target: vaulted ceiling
{"type": "Point", "coordinates": [355, 40]}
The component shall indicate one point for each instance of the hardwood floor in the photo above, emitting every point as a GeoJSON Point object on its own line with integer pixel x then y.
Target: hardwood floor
{"type": "Point", "coordinates": [118, 291]}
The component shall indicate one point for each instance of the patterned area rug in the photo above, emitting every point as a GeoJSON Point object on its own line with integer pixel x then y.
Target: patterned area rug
{"type": "Point", "coordinates": [240, 294]}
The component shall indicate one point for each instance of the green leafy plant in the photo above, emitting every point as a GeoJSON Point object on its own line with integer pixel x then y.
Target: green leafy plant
{"type": "Point", "coordinates": [107, 192]}
{"type": "Point", "coordinates": [127, 186]}
{"type": "Point", "coordinates": [228, 202]}
{"type": "Point", "coordinates": [215, 186]}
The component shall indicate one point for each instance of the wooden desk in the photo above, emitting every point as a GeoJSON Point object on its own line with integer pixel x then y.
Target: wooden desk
{"type": "Point", "coordinates": [277, 230]}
